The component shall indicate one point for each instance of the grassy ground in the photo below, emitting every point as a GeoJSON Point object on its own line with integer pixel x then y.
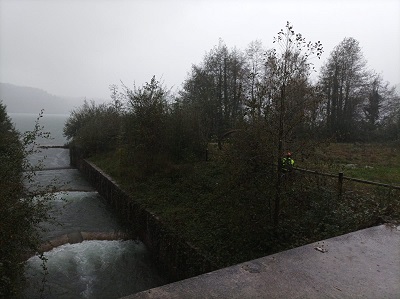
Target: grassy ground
{"type": "Point", "coordinates": [230, 221]}
{"type": "Point", "coordinates": [373, 162]}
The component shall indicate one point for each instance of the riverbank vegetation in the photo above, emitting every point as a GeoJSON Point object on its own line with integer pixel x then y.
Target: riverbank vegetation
{"type": "Point", "coordinates": [226, 210]}
{"type": "Point", "coordinates": [21, 210]}
{"type": "Point", "coordinates": [208, 159]}
{"type": "Point", "coordinates": [11, 159]}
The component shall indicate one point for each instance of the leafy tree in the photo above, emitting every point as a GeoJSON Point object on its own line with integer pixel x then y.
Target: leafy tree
{"type": "Point", "coordinates": [197, 98]}
{"type": "Point", "coordinates": [22, 210]}
{"type": "Point", "coordinates": [234, 91]}
{"type": "Point", "coordinates": [11, 160]}
{"type": "Point", "coordinates": [391, 118]}
{"type": "Point", "coordinates": [145, 126]}
{"type": "Point", "coordinates": [373, 105]}
{"type": "Point", "coordinates": [343, 78]}
{"type": "Point", "coordinates": [94, 128]}
{"type": "Point", "coordinates": [215, 90]}
{"type": "Point", "coordinates": [186, 137]}
{"type": "Point", "coordinates": [378, 109]}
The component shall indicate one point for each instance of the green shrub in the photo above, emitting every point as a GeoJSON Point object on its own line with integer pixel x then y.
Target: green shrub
{"type": "Point", "coordinates": [93, 128]}
{"type": "Point", "coordinates": [21, 210]}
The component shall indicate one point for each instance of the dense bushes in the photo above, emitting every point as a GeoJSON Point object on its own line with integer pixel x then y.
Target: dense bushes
{"type": "Point", "coordinates": [146, 131]}
{"type": "Point", "coordinates": [93, 128]}
{"type": "Point", "coordinates": [11, 162]}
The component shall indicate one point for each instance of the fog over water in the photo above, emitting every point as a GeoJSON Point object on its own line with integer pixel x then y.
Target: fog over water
{"type": "Point", "coordinates": [52, 123]}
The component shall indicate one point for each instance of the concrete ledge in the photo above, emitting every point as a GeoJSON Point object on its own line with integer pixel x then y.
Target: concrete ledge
{"type": "Point", "coordinates": [78, 237]}
{"type": "Point", "coordinates": [362, 264]}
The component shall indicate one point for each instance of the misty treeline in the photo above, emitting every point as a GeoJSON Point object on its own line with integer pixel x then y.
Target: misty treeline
{"type": "Point", "coordinates": [266, 95]}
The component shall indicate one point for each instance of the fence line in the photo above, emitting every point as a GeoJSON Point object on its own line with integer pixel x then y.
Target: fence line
{"type": "Point", "coordinates": [341, 177]}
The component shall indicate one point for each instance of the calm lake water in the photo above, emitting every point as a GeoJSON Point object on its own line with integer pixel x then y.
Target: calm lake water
{"type": "Point", "coordinates": [53, 123]}
{"type": "Point", "coordinates": [90, 269]}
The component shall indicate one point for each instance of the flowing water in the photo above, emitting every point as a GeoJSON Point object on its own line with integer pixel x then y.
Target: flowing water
{"type": "Point", "coordinates": [92, 268]}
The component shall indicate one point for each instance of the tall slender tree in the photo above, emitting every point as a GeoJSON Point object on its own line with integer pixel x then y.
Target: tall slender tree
{"type": "Point", "coordinates": [145, 127]}
{"type": "Point", "coordinates": [343, 78]}
{"type": "Point", "coordinates": [373, 105]}
{"type": "Point", "coordinates": [255, 91]}
{"type": "Point", "coordinates": [215, 88]}
{"type": "Point", "coordinates": [288, 70]}
{"type": "Point", "coordinates": [380, 109]}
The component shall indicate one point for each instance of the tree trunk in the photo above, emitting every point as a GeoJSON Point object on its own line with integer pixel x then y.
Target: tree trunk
{"type": "Point", "coordinates": [280, 150]}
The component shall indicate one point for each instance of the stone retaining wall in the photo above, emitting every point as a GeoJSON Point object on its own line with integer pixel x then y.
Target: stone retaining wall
{"type": "Point", "coordinates": [174, 257]}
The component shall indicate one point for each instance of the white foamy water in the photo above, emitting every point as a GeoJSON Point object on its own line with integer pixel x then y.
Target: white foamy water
{"type": "Point", "coordinates": [92, 269]}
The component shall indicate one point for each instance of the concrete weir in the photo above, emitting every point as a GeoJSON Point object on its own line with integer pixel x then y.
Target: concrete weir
{"type": "Point", "coordinates": [362, 264]}
{"type": "Point", "coordinates": [78, 237]}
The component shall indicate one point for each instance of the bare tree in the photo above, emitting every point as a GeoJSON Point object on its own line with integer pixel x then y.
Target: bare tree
{"type": "Point", "coordinates": [255, 92]}
{"type": "Point", "coordinates": [288, 70]}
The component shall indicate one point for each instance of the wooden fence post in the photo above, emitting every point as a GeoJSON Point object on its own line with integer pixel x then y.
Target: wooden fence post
{"type": "Point", "coordinates": [340, 185]}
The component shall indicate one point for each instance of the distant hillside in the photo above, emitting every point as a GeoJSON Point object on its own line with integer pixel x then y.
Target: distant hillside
{"type": "Point", "coordinates": [22, 99]}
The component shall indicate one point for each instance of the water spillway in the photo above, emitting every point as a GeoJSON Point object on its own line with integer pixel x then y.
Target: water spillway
{"type": "Point", "coordinates": [88, 252]}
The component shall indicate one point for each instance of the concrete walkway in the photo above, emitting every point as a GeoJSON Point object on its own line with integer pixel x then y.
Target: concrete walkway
{"type": "Point", "coordinates": [363, 264]}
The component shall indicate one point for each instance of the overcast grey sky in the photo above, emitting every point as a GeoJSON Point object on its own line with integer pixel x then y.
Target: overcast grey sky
{"type": "Point", "coordinates": [80, 47]}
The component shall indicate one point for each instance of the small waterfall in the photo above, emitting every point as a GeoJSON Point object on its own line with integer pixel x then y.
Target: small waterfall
{"type": "Point", "coordinates": [91, 268]}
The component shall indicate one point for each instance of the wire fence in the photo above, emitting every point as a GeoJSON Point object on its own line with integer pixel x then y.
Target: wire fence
{"type": "Point", "coordinates": [341, 179]}
{"type": "Point", "coordinates": [362, 199]}
{"type": "Point", "coordinates": [315, 202]}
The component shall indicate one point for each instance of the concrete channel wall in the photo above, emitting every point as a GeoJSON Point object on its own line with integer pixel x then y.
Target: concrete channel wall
{"type": "Point", "coordinates": [175, 258]}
